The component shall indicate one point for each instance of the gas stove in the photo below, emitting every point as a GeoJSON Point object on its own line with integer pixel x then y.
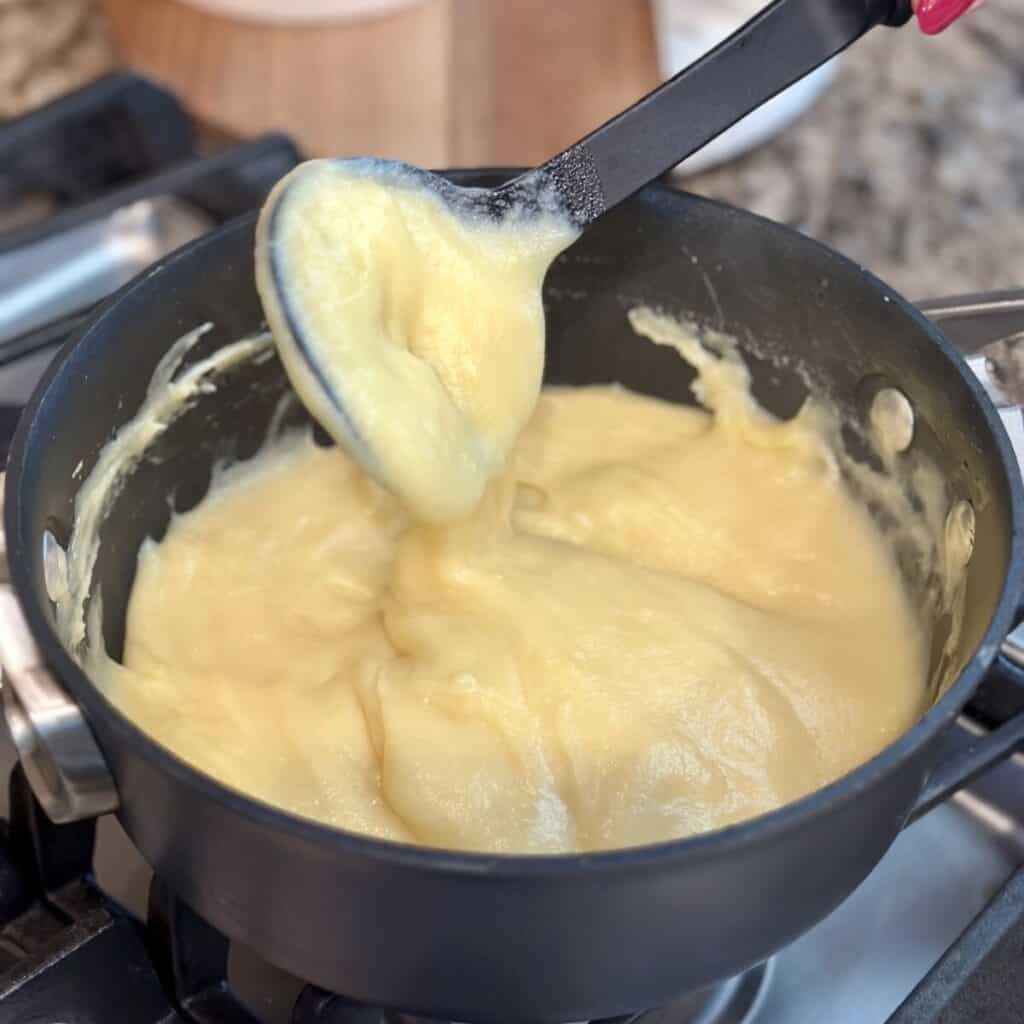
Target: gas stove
{"type": "Point", "coordinates": [934, 936]}
{"type": "Point", "coordinates": [93, 189]}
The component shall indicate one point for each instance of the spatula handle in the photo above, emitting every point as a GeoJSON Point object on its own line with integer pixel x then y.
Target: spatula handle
{"type": "Point", "coordinates": [777, 47]}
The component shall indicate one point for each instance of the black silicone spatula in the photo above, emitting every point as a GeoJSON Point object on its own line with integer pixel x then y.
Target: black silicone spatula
{"type": "Point", "coordinates": [787, 40]}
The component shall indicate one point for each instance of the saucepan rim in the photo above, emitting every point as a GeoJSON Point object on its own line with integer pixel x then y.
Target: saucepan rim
{"type": "Point", "coordinates": [787, 818]}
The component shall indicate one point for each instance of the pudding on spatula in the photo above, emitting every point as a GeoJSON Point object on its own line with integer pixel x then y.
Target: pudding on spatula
{"type": "Point", "coordinates": [409, 319]}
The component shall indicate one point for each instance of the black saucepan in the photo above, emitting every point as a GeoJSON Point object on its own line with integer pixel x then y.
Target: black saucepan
{"type": "Point", "coordinates": [487, 938]}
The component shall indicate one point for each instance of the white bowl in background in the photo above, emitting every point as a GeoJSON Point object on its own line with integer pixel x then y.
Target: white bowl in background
{"type": "Point", "coordinates": [298, 12]}
{"type": "Point", "coordinates": [685, 29]}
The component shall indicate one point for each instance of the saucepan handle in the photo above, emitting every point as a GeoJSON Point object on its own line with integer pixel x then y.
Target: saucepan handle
{"type": "Point", "coordinates": [57, 750]}
{"type": "Point", "coordinates": [975, 322]}
{"type": "Point", "coordinates": [966, 759]}
{"type": "Point", "coordinates": [986, 329]}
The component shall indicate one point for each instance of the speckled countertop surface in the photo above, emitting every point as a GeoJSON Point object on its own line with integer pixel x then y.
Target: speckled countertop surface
{"type": "Point", "coordinates": [48, 47]}
{"type": "Point", "coordinates": [912, 163]}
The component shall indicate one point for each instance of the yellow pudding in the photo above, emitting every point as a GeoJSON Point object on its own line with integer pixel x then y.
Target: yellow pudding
{"type": "Point", "coordinates": [413, 333]}
{"type": "Point", "coordinates": [658, 621]}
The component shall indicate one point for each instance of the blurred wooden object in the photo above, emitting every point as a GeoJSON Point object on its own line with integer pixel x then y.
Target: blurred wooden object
{"type": "Point", "coordinates": [445, 82]}
{"type": "Point", "coordinates": [558, 70]}
{"type": "Point", "coordinates": [335, 86]}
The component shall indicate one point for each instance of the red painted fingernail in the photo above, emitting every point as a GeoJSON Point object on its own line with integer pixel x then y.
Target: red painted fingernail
{"type": "Point", "coordinates": [936, 15]}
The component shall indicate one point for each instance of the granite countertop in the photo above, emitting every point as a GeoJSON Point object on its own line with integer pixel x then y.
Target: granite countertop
{"type": "Point", "coordinates": [47, 48]}
{"type": "Point", "coordinates": [912, 163]}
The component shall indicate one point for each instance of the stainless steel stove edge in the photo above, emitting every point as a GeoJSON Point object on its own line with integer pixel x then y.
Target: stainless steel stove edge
{"type": "Point", "coordinates": [56, 747]}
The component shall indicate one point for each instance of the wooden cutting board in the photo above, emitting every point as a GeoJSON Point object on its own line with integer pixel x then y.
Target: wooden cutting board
{"type": "Point", "coordinates": [443, 83]}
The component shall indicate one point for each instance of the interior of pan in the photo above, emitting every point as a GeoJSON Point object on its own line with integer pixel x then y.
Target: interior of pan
{"type": "Point", "coordinates": [793, 306]}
